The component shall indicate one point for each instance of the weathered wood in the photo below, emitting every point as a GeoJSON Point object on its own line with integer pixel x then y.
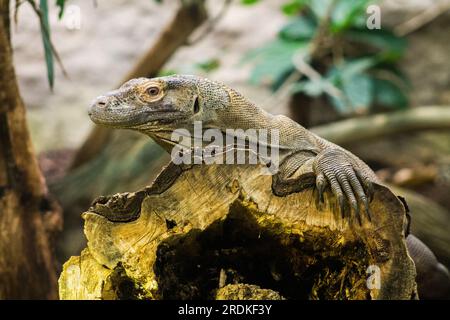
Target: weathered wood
{"type": "Point", "coordinates": [221, 225]}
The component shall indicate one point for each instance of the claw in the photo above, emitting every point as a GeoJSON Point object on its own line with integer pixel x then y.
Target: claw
{"type": "Point", "coordinates": [347, 181]}
{"type": "Point", "coordinates": [341, 205]}
{"type": "Point", "coordinates": [369, 214]}
{"type": "Point", "coordinates": [370, 190]}
{"type": "Point", "coordinates": [355, 208]}
{"type": "Point", "coordinates": [357, 214]}
{"type": "Point", "coordinates": [337, 191]}
{"type": "Point", "coordinates": [320, 184]}
{"type": "Point", "coordinates": [368, 186]}
{"type": "Point", "coordinates": [366, 208]}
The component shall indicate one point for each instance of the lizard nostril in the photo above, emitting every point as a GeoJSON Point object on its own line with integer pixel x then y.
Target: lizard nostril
{"type": "Point", "coordinates": [101, 102]}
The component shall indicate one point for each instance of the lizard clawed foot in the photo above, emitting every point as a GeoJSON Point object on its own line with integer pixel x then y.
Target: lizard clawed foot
{"type": "Point", "coordinates": [334, 169]}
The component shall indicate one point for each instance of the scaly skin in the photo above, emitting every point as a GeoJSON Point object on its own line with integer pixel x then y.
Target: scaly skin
{"type": "Point", "coordinates": [158, 106]}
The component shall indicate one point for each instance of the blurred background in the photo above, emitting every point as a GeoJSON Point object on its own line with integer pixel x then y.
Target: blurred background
{"type": "Point", "coordinates": [372, 76]}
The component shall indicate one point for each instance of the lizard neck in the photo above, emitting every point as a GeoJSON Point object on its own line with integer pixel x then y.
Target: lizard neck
{"type": "Point", "coordinates": [245, 115]}
{"type": "Point", "coordinates": [241, 118]}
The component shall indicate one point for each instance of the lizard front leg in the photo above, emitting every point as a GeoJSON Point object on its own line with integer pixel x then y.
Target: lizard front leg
{"type": "Point", "coordinates": [347, 177]}
{"type": "Point", "coordinates": [295, 174]}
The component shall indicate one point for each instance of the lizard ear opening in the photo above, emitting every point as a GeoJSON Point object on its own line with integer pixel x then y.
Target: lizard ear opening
{"type": "Point", "coordinates": [196, 106]}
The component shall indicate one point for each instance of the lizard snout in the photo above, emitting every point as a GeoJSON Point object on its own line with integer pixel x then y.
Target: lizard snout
{"type": "Point", "coordinates": [100, 102]}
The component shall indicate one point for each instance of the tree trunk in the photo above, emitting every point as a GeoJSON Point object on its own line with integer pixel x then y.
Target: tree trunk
{"type": "Point", "coordinates": [218, 231]}
{"type": "Point", "coordinates": [28, 218]}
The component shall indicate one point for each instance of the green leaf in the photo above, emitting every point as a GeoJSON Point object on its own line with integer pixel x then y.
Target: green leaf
{"type": "Point", "coordinates": [273, 62]}
{"type": "Point", "coordinates": [309, 87]}
{"type": "Point", "coordinates": [350, 68]}
{"type": "Point", "coordinates": [347, 13]}
{"type": "Point", "coordinates": [388, 94]}
{"type": "Point", "coordinates": [45, 32]}
{"type": "Point", "coordinates": [356, 85]}
{"type": "Point", "coordinates": [166, 72]}
{"type": "Point", "coordinates": [359, 91]}
{"type": "Point", "coordinates": [249, 2]}
{"type": "Point", "coordinates": [395, 73]}
{"type": "Point", "coordinates": [391, 46]}
{"type": "Point", "coordinates": [340, 105]}
{"type": "Point", "coordinates": [60, 4]}
{"type": "Point", "coordinates": [209, 65]}
{"type": "Point", "coordinates": [293, 7]}
{"type": "Point", "coordinates": [271, 72]}
{"type": "Point", "coordinates": [301, 28]}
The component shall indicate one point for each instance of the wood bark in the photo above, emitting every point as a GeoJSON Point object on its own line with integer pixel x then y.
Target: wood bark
{"type": "Point", "coordinates": [219, 231]}
{"type": "Point", "coordinates": [29, 219]}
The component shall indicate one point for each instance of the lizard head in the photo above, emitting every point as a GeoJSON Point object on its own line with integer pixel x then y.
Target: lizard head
{"type": "Point", "coordinates": [159, 104]}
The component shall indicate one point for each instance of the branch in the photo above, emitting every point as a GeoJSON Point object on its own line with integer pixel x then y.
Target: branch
{"type": "Point", "coordinates": [211, 23]}
{"type": "Point", "coordinates": [422, 18]}
{"type": "Point", "coordinates": [304, 68]}
{"type": "Point", "coordinates": [381, 125]}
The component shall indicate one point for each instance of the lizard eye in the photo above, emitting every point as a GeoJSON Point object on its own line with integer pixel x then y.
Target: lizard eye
{"type": "Point", "coordinates": [153, 91]}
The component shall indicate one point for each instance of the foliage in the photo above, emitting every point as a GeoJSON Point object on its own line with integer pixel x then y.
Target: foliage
{"type": "Point", "coordinates": [50, 53]}
{"type": "Point", "coordinates": [209, 65]}
{"type": "Point", "coordinates": [60, 4]}
{"type": "Point", "coordinates": [358, 62]}
{"type": "Point", "coordinates": [45, 31]}
{"type": "Point", "coordinates": [248, 2]}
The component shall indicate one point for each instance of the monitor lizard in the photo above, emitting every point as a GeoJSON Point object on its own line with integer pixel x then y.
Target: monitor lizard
{"type": "Point", "coordinates": [158, 106]}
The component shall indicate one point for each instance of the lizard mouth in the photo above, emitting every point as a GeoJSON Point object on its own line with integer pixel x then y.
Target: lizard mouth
{"type": "Point", "coordinates": [117, 118]}
{"type": "Point", "coordinates": [128, 117]}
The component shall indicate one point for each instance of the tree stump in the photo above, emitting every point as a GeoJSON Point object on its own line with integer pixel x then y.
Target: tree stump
{"type": "Point", "coordinates": [218, 231]}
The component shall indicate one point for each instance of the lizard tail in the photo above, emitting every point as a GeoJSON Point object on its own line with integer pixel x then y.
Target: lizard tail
{"type": "Point", "coordinates": [433, 278]}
